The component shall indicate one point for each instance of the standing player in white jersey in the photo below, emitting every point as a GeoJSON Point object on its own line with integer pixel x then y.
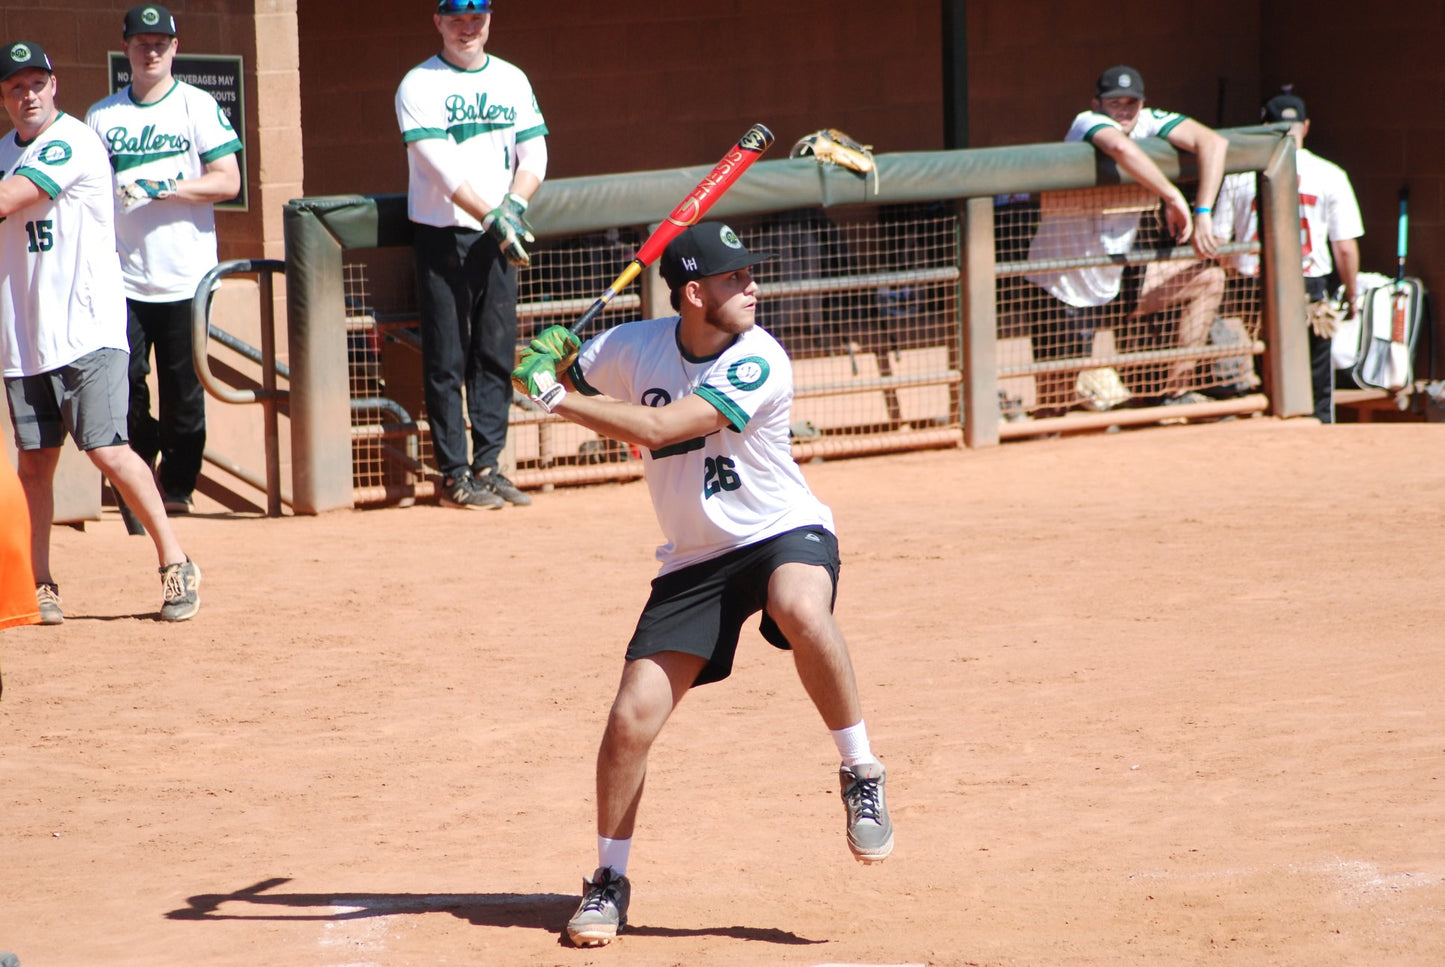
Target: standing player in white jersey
{"type": "Point", "coordinates": [476, 152]}
{"type": "Point", "coordinates": [1117, 118]}
{"type": "Point", "coordinates": [707, 395]}
{"type": "Point", "coordinates": [174, 155]}
{"type": "Point", "coordinates": [1330, 225]}
{"type": "Point", "coordinates": [62, 322]}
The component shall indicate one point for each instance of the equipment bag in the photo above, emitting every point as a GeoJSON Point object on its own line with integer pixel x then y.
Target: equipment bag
{"type": "Point", "coordinates": [1378, 345]}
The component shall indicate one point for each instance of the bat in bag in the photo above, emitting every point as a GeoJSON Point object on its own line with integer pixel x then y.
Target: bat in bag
{"type": "Point", "coordinates": [1398, 368]}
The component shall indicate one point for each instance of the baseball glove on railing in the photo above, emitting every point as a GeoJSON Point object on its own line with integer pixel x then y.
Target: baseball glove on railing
{"type": "Point", "coordinates": [831, 146]}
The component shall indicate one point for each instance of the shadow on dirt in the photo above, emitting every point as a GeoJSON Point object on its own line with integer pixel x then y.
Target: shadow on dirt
{"type": "Point", "coordinates": [536, 911]}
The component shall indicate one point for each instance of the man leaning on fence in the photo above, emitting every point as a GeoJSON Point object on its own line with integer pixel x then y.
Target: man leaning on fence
{"type": "Point", "coordinates": [1082, 297]}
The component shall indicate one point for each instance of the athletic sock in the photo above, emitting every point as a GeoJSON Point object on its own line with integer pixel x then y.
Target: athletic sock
{"type": "Point", "coordinates": [852, 744]}
{"type": "Point", "coordinates": [613, 853]}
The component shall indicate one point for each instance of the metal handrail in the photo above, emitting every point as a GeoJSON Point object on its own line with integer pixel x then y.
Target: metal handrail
{"type": "Point", "coordinates": [268, 396]}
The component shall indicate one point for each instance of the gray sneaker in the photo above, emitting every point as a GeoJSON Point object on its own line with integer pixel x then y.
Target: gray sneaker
{"type": "Point", "coordinates": [870, 831]}
{"type": "Point", "coordinates": [491, 479]}
{"type": "Point", "coordinates": [181, 589]}
{"type": "Point", "coordinates": [603, 911]}
{"type": "Point", "coordinates": [47, 598]}
{"type": "Point", "coordinates": [464, 491]}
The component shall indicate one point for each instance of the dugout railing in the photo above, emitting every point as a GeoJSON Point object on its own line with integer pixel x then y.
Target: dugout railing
{"type": "Point", "coordinates": [904, 303]}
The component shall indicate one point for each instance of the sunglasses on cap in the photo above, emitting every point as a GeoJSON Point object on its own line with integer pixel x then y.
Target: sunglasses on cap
{"type": "Point", "coordinates": [464, 6]}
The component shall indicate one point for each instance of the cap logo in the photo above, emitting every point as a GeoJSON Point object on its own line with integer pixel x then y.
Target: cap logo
{"type": "Point", "coordinates": [1126, 80]}
{"type": "Point", "coordinates": [689, 263]}
{"type": "Point", "coordinates": [150, 16]}
{"type": "Point", "coordinates": [729, 238]}
{"type": "Point", "coordinates": [1289, 112]}
{"type": "Point", "coordinates": [19, 53]}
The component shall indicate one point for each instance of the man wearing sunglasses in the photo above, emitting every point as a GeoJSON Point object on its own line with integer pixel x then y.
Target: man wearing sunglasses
{"type": "Point", "coordinates": [476, 152]}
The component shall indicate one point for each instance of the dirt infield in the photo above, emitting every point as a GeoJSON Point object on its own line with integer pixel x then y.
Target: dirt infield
{"type": "Point", "coordinates": [1167, 696]}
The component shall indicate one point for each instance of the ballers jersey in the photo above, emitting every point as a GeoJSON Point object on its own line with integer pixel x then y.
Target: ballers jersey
{"type": "Point", "coordinates": [484, 113]}
{"type": "Point", "coordinates": [1079, 234]}
{"type": "Point", "coordinates": [1327, 206]}
{"type": "Point", "coordinates": [736, 486]}
{"type": "Point", "coordinates": [165, 248]}
{"type": "Point", "coordinates": [61, 295]}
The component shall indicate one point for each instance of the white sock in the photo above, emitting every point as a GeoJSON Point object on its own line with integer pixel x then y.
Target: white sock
{"type": "Point", "coordinates": [613, 853]}
{"type": "Point", "coordinates": [852, 744]}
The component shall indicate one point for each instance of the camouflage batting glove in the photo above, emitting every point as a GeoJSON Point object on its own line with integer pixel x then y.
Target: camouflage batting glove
{"type": "Point", "coordinates": [507, 223]}
{"type": "Point", "coordinates": [142, 190]}
{"type": "Point", "coordinates": [560, 342]}
{"type": "Point", "coordinates": [536, 378]}
{"type": "Point", "coordinates": [514, 210]}
{"type": "Point", "coordinates": [504, 231]}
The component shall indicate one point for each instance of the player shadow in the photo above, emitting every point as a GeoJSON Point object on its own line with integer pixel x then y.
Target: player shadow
{"type": "Point", "coordinates": [534, 911]}
{"type": "Point", "coordinates": [538, 911]}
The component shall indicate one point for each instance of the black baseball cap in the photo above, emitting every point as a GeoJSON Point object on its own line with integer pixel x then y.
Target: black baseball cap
{"type": "Point", "coordinates": [1284, 106]}
{"type": "Point", "coordinates": [1119, 81]}
{"type": "Point", "coordinates": [453, 7]}
{"type": "Point", "coordinates": [149, 19]}
{"type": "Point", "coordinates": [20, 55]}
{"type": "Point", "coordinates": [704, 249]}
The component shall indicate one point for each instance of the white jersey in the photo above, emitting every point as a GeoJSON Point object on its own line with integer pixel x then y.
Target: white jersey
{"type": "Point", "coordinates": [1079, 234]}
{"type": "Point", "coordinates": [61, 295]}
{"type": "Point", "coordinates": [483, 114]}
{"type": "Point", "coordinates": [165, 248]}
{"type": "Point", "coordinates": [735, 486]}
{"type": "Point", "coordinates": [1327, 206]}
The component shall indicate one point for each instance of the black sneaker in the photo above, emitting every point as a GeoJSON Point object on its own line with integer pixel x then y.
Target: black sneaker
{"type": "Point", "coordinates": [464, 491]}
{"type": "Point", "coordinates": [603, 910]}
{"type": "Point", "coordinates": [491, 479]}
{"type": "Point", "coordinates": [178, 504]}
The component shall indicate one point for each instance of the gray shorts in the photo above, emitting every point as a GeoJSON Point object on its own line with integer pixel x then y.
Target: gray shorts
{"type": "Point", "coordinates": [88, 399]}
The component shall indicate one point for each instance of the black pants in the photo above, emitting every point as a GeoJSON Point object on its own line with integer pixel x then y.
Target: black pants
{"type": "Point", "coordinates": [1322, 366]}
{"type": "Point", "coordinates": [178, 435]}
{"type": "Point", "coordinates": [467, 295]}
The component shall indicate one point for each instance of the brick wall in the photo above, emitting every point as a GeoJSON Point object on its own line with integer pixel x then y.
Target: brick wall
{"type": "Point", "coordinates": [634, 86]}
{"type": "Point", "coordinates": [1374, 85]}
{"type": "Point", "coordinates": [1032, 63]}
{"type": "Point", "coordinates": [78, 36]}
{"type": "Point", "coordinates": [658, 85]}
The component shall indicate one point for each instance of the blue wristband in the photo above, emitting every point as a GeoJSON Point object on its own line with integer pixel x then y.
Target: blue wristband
{"type": "Point", "coordinates": [1201, 209]}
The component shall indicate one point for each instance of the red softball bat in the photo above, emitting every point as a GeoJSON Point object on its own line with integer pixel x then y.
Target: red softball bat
{"type": "Point", "coordinates": [688, 212]}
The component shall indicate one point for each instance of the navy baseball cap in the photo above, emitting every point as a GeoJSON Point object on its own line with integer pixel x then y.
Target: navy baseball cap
{"type": "Point", "coordinates": [1284, 106]}
{"type": "Point", "coordinates": [452, 7]}
{"type": "Point", "coordinates": [149, 19]}
{"type": "Point", "coordinates": [20, 55]}
{"type": "Point", "coordinates": [704, 249]}
{"type": "Point", "coordinates": [1119, 81]}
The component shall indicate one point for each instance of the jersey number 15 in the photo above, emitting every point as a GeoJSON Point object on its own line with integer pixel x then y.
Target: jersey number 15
{"type": "Point", "coordinates": [41, 235]}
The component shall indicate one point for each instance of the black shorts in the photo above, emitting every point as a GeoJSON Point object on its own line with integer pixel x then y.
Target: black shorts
{"type": "Point", "coordinates": [699, 610]}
